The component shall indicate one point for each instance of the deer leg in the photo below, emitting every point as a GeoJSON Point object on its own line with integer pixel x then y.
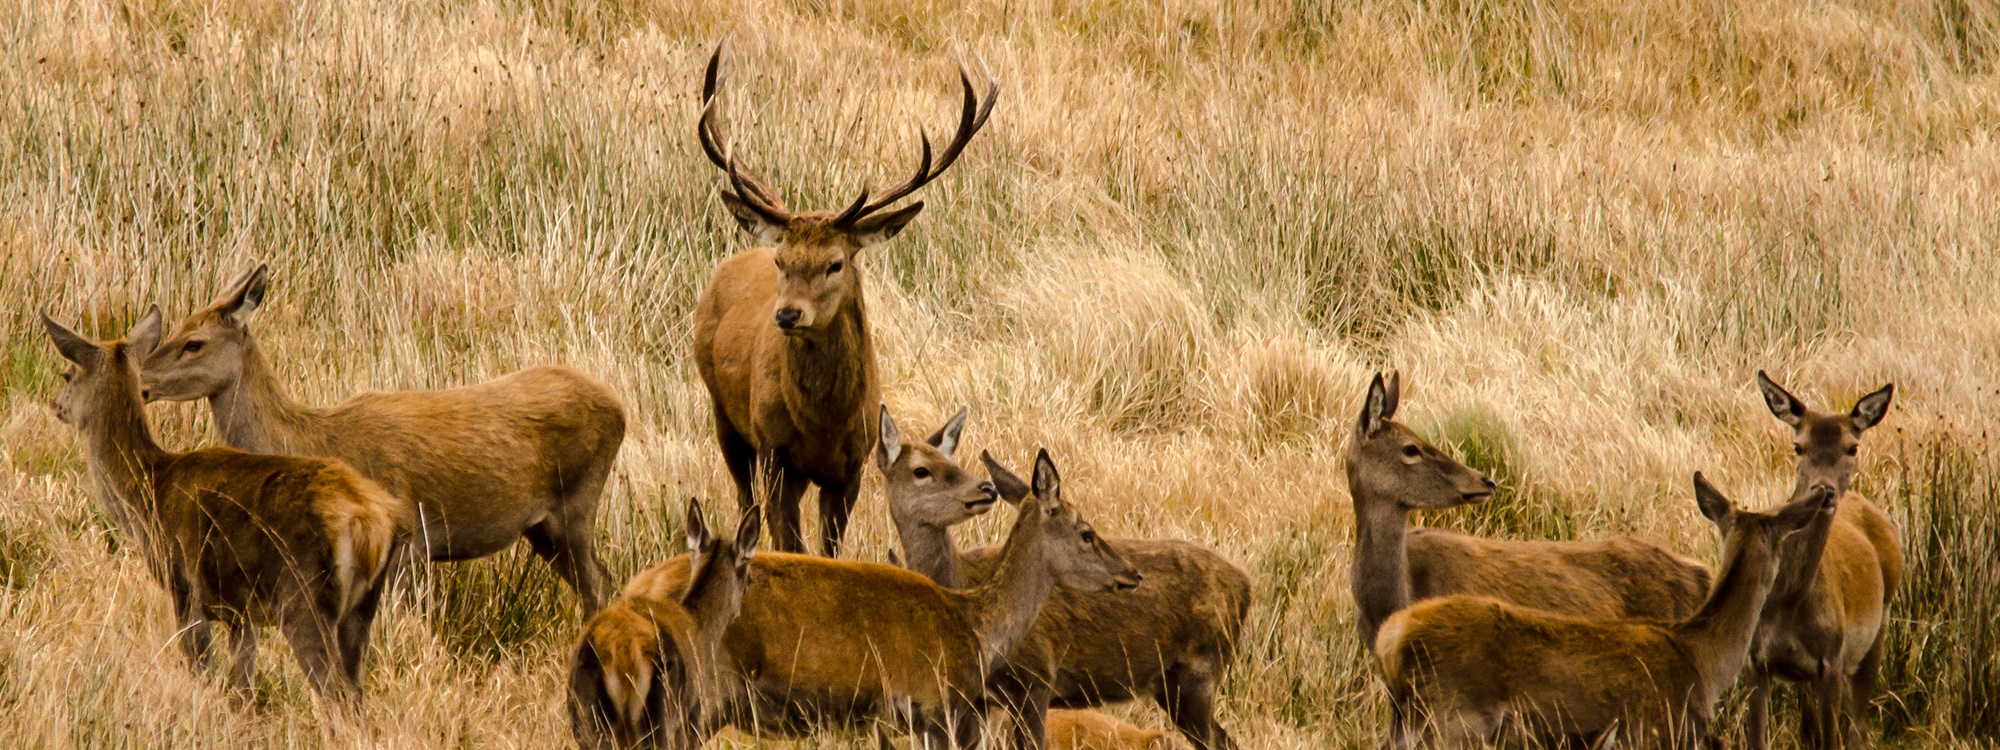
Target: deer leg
{"type": "Point", "coordinates": [740, 457]}
{"type": "Point", "coordinates": [781, 513]}
{"type": "Point", "coordinates": [1188, 695]}
{"type": "Point", "coordinates": [1861, 690]}
{"type": "Point", "coordinates": [242, 658]}
{"type": "Point", "coordinates": [354, 629]}
{"type": "Point", "coordinates": [196, 637]}
{"type": "Point", "coordinates": [571, 552]}
{"type": "Point", "coordinates": [315, 642]}
{"type": "Point", "coordinates": [1828, 700]}
{"type": "Point", "coordinates": [836, 502]}
{"type": "Point", "coordinates": [1759, 712]}
{"type": "Point", "coordinates": [1031, 719]}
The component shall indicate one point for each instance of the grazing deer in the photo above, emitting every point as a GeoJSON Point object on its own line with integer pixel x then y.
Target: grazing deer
{"type": "Point", "coordinates": [830, 641]}
{"type": "Point", "coordinates": [245, 539]}
{"type": "Point", "coordinates": [781, 333]}
{"type": "Point", "coordinates": [644, 674]}
{"type": "Point", "coordinates": [1825, 621]}
{"type": "Point", "coordinates": [1462, 669]}
{"type": "Point", "coordinates": [1391, 471]}
{"type": "Point", "coordinates": [482, 465]}
{"type": "Point", "coordinates": [1170, 640]}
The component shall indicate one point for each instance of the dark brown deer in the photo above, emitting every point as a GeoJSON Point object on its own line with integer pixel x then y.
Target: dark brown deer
{"type": "Point", "coordinates": [1463, 670]}
{"type": "Point", "coordinates": [829, 642]}
{"type": "Point", "coordinates": [1824, 622]}
{"type": "Point", "coordinates": [481, 465]}
{"type": "Point", "coordinates": [781, 333]}
{"type": "Point", "coordinates": [245, 539]}
{"type": "Point", "coordinates": [1170, 640]}
{"type": "Point", "coordinates": [1391, 472]}
{"type": "Point", "coordinates": [644, 676]}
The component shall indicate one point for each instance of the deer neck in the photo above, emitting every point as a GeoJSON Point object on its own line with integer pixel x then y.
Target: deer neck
{"type": "Point", "coordinates": [1381, 575]}
{"type": "Point", "coordinates": [1719, 634]}
{"type": "Point", "coordinates": [1799, 563]}
{"type": "Point", "coordinates": [928, 551]}
{"type": "Point", "coordinates": [832, 372]}
{"type": "Point", "coordinates": [1008, 604]}
{"type": "Point", "coordinates": [255, 413]}
{"type": "Point", "coordinates": [124, 463]}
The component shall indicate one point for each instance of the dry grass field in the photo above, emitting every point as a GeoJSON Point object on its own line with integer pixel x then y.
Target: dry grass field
{"type": "Point", "coordinates": [1191, 232]}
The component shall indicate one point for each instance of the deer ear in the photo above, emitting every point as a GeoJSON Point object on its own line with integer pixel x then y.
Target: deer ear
{"type": "Point", "coordinates": [246, 294]}
{"type": "Point", "coordinates": [1872, 408]}
{"type": "Point", "coordinates": [1012, 488]}
{"type": "Point", "coordinates": [1377, 408]}
{"type": "Point", "coordinates": [748, 531]}
{"type": "Point", "coordinates": [889, 441]}
{"type": "Point", "coordinates": [877, 229]}
{"type": "Point", "coordinates": [1048, 484]}
{"type": "Point", "coordinates": [73, 347]}
{"type": "Point", "coordinates": [1785, 406]}
{"type": "Point", "coordinates": [1714, 506]}
{"type": "Point", "coordinates": [760, 227]}
{"type": "Point", "coordinates": [946, 438]}
{"type": "Point", "coordinates": [697, 529]}
{"type": "Point", "coordinates": [145, 334]}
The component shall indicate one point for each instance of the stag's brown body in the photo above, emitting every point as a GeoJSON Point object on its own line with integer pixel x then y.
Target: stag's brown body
{"type": "Point", "coordinates": [481, 465]}
{"type": "Point", "coordinates": [245, 539]}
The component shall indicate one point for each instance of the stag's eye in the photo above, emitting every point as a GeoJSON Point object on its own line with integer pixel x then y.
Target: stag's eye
{"type": "Point", "coordinates": [192, 347]}
{"type": "Point", "coordinates": [835, 268]}
{"type": "Point", "coordinates": [1412, 451]}
{"type": "Point", "coordinates": [921, 472]}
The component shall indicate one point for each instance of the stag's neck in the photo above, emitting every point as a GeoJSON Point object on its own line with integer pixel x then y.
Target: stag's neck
{"type": "Point", "coordinates": [1009, 602]}
{"type": "Point", "coordinates": [929, 552]}
{"type": "Point", "coordinates": [256, 414]}
{"type": "Point", "coordinates": [1381, 575]}
{"type": "Point", "coordinates": [832, 372]}
{"type": "Point", "coordinates": [124, 462]}
{"type": "Point", "coordinates": [1719, 634]}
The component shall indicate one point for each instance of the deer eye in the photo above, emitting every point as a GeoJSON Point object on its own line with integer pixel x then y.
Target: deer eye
{"type": "Point", "coordinates": [1853, 450]}
{"type": "Point", "coordinates": [921, 472]}
{"type": "Point", "coordinates": [1412, 451]}
{"type": "Point", "coordinates": [835, 268]}
{"type": "Point", "coordinates": [68, 376]}
{"type": "Point", "coordinates": [1799, 449]}
{"type": "Point", "coordinates": [1089, 537]}
{"type": "Point", "coordinates": [191, 347]}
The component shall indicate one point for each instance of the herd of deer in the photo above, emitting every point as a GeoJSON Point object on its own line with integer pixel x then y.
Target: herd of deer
{"type": "Point", "coordinates": [304, 519]}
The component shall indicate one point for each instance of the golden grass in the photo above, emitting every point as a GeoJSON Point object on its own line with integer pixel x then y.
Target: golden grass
{"type": "Point", "coordinates": [1190, 232]}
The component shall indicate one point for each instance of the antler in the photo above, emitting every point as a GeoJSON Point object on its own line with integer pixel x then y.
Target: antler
{"type": "Point", "coordinates": [748, 187]}
{"type": "Point", "coordinates": [971, 118]}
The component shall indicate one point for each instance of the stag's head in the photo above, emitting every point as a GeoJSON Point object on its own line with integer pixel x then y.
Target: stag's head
{"type": "Point", "coordinates": [815, 250]}
{"type": "Point", "coordinates": [1827, 444]}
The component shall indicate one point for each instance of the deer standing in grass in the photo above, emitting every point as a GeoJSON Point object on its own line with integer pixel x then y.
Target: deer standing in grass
{"type": "Point", "coordinates": [1824, 623]}
{"type": "Point", "coordinates": [644, 676]}
{"type": "Point", "coordinates": [1464, 670]}
{"type": "Point", "coordinates": [1391, 472]}
{"type": "Point", "coordinates": [480, 466]}
{"type": "Point", "coordinates": [825, 641]}
{"type": "Point", "coordinates": [245, 539]}
{"type": "Point", "coordinates": [1170, 640]}
{"type": "Point", "coordinates": [781, 333]}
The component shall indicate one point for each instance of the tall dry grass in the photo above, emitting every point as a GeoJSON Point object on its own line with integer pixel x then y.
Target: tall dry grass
{"type": "Point", "coordinates": [1190, 232]}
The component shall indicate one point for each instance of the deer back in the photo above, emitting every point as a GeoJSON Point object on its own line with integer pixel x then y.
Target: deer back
{"type": "Point", "coordinates": [1620, 577]}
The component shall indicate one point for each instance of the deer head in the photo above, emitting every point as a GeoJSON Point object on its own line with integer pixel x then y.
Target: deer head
{"type": "Point", "coordinates": [1387, 460]}
{"type": "Point", "coordinates": [1827, 444]}
{"type": "Point", "coordinates": [721, 567]}
{"type": "Point", "coordinates": [815, 251]}
{"type": "Point", "coordinates": [924, 484]}
{"type": "Point", "coordinates": [1080, 559]}
{"type": "Point", "coordinates": [205, 355]}
{"type": "Point", "coordinates": [100, 377]}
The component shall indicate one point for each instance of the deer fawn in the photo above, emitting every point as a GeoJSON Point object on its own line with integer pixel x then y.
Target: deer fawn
{"type": "Point", "coordinates": [481, 465]}
{"type": "Point", "coordinates": [1391, 471]}
{"type": "Point", "coordinates": [644, 675]}
{"type": "Point", "coordinates": [825, 641]}
{"type": "Point", "coordinates": [1825, 620]}
{"type": "Point", "coordinates": [781, 333]}
{"type": "Point", "coordinates": [1462, 668]}
{"type": "Point", "coordinates": [1170, 640]}
{"type": "Point", "coordinates": [245, 539]}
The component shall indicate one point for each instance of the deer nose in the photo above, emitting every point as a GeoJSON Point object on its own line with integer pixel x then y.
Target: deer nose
{"type": "Point", "coordinates": [788, 318]}
{"type": "Point", "coordinates": [987, 489]}
{"type": "Point", "coordinates": [1490, 484]}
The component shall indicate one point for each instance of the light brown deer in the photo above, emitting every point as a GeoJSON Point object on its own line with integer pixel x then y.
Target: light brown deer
{"type": "Point", "coordinates": [644, 675]}
{"type": "Point", "coordinates": [781, 333]}
{"type": "Point", "coordinates": [1463, 670]}
{"type": "Point", "coordinates": [1391, 472]}
{"type": "Point", "coordinates": [481, 465]}
{"type": "Point", "coordinates": [1170, 640]}
{"type": "Point", "coordinates": [1824, 623]}
{"type": "Point", "coordinates": [245, 539]}
{"type": "Point", "coordinates": [836, 642]}
{"type": "Point", "coordinates": [1090, 730]}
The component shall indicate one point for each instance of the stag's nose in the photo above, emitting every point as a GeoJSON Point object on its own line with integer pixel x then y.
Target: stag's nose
{"type": "Point", "coordinates": [788, 318]}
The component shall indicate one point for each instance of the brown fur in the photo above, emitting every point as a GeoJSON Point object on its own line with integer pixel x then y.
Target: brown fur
{"type": "Point", "coordinates": [643, 677]}
{"type": "Point", "coordinates": [1462, 670]}
{"type": "Point", "coordinates": [1090, 730]}
{"type": "Point", "coordinates": [782, 341]}
{"type": "Point", "coordinates": [832, 642]}
{"type": "Point", "coordinates": [245, 539]}
{"type": "Point", "coordinates": [1391, 471]}
{"type": "Point", "coordinates": [1824, 623]}
{"type": "Point", "coordinates": [483, 465]}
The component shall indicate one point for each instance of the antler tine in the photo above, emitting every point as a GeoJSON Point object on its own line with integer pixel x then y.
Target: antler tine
{"type": "Point", "coordinates": [972, 116]}
{"type": "Point", "coordinates": [718, 149]}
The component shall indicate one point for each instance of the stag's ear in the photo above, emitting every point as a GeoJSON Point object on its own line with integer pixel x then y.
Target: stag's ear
{"type": "Point", "coordinates": [1048, 484]}
{"type": "Point", "coordinates": [1714, 506]}
{"type": "Point", "coordinates": [145, 334]}
{"type": "Point", "coordinates": [1785, 406]}
{"type": "Point", "coordinates": [73, 347]}
{"type": "Point", "coordinates": [748, 531]}
{"type": "Point", "coordinates": [1872, 408]}
{"type": "Point", "coordinates": [246, 294]}
{"type": "Point", "coordinates": [889, 441]}
{"type": "Point", "coordinates": [946, 438]}
{"type": "Point", "coordinates": [697, 529]}
{"type": "Point", "coordinates": [1012, 488]}
{"type": "Point", "coordinates": [1379, 406]}
{"type": "Point", "coordinates": [875, 230]}
{"type": "Point", "coordinates": [764, 229]}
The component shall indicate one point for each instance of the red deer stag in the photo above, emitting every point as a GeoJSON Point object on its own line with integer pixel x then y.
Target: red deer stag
{"type": "Point", "coordinates": [781, 333]}
{"type": "Point", "coordinates": [1824, 623]}
{"type": "Point", "coordinates": [1391, 471]}
{"type": "Point", "coordinates": [1463, 670]}
{"type": "Point", "coordinates": [644, 676]}
{"type": "Point", "coordinates": [835, 642]}
{"type": "Point", "coordinates": [483, 465]}
{"type": "Point", "coordinates": [1170, 640]}
{"type": "Point", "coordinates": [245, 539]}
